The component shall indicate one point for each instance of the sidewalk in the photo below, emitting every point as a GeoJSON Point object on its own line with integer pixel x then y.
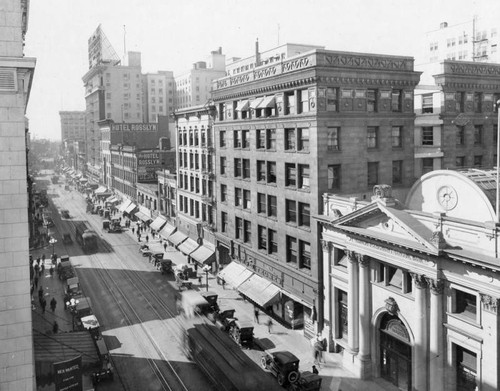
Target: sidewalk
{"type": "Point", "coordinates": [280, 338]}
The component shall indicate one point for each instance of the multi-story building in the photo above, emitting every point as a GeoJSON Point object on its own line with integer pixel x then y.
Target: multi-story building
{"type": "Point", "coordinates": [289, 131]}
{"type": "Point", "coordinates": [167, 194]}
{"type": "Point", "coordinates": [158, 95]}
{"type": "Point", "coordinates": [72, 125]}
{"type": "Point", "coordinates": [193, 88]}
{"type": "Point", "coordinates": [195, 183]}
{"type": "Point", "coordinates": [456, 117]}
{"type": "Point", "coordinates": [17, 367]}
{"type": "Point", "coordinates": [412, 290]}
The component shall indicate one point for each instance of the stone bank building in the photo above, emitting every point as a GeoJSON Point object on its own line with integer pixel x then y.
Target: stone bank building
{"type": "Point", "coordinates": [412, 290]}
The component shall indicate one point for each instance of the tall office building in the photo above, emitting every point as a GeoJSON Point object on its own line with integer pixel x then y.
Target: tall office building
{"type": "Point", "coordinates": [158, 95]}
{"type": "Point", "coordinates": [17, 370]}
{"type": "Point", "coordinates": [72, 125]}
{"type": "Point", "coordinates": [193, 88]}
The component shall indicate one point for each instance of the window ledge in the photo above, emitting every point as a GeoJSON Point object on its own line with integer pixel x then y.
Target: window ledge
{"type": "Point", "coordinates": [408, 295]}
{"type": "Point", "coordinates": [465, 319]}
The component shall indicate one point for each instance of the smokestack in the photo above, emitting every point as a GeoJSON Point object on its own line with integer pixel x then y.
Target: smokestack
{"type": "Point", "coordinates": [257, 54]}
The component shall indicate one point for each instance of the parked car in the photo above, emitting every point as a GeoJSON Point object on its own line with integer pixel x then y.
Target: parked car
{"type": "Point", "coordinates": [308, 381]}
{"type": "Point", "coordinates": [241, 331]}
{"type": "Point", "coordinates": [67, 238]}
{"type": "Point", "coordinates": [283, 365]}
{"type": "Point", "coordinates": [65, 213]}
{"type": "Point", "coordinates": [166, 266]}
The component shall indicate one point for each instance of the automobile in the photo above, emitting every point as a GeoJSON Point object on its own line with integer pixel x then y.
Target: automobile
{"type": "Point", "coordinates": [308, 381]}
{"type": "Point", "coordinates": [241, 331]}
{"type": "Point", "coordinates": [283, 364]}
{"type": "Point", "coordinates": [65, 213]}
{"type": "Point", "coordinates": [145, 251]}
{"type": "Point", "coordinates": [166, 266]}
{"type": "Point", "coordinates": [156, 258]}
{"type": "Point", "coordinates": [67, 238]}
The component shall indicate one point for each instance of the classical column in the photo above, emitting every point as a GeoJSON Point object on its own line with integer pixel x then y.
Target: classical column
{"type": "Point", "coordinates": [364, 315]}
{"type": "Point", "coordinates": [436, 359]}
{"type": "Point", "coordinates": [353, 303]}
{"type": "Point", "coordinates": [420, 332]}
{"type": "Point", "coordinates": [328, 309]}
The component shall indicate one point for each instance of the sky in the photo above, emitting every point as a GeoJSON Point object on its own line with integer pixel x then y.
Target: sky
{"type": "Point", "coordinates": [172, 35]}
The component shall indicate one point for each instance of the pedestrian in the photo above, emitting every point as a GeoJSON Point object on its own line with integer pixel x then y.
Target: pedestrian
{"type": "Point", "coordinates": [256, 314]}
{"type": "Point", "coordinates": [147, 238]}
{"type": "Point", "coordinates": [138, 237]}
{"type": "Point", "coordinates": [37, 268]}
{"type": "Point", "coordinates": [165, 246]}
{"type": "Point", "coordinates": [42, 268]}
{"type": "Point", "coordinates": [66, 300]}
{"type": "Point", "coordinates": [40, 293]}
{"type": "Point", "coordinates": [51, 270]}
{"type": "Point", "coordinates": [55, 327]}
{"type": "Point", "coordinates": [43, 257]}
{"type": "Point", "coordinates": [53, 304]}
{"type": "Point", "coordinates": [223, 284]}
{"type": "Point", "coordinates": [315, 370]}
{"type": "Point", "coordinates": [35, 280]}
{"type": "Point", "coordinates": [269, 325]}
{"type": "Point", "coordinates": [133, 230]}
{"type": "Point", "coordinates": [43, 303]}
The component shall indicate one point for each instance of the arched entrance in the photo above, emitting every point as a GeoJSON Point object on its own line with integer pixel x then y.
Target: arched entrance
{"type": "Point", "coordinates": [395, 352]}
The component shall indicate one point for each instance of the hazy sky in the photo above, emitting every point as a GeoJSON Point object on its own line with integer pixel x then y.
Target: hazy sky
{"type": "Point", "coordinates": [172, 35]}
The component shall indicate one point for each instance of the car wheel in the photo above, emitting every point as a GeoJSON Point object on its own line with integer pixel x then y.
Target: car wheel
{"type": "Point", "coordinates": [281, 379]}
{"type": "Point", "coordinates": [263, 362]}
{"type": "Point", "coordinates": [293, 376]}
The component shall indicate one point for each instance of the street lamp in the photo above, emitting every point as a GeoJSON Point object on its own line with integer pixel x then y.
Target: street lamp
{"type": "Point", "coordinates": [71, 304]}
{"type": "Point", "coordinates": [53, 242]}
{"type": "Point", "coordinates": [206, 268]}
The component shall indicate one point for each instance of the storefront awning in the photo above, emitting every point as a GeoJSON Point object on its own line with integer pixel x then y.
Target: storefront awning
{"type": "Point", "coordinates": [144, 217]}
{"type": "Point", "coordinates": [177, 238]}
{"type": "Point", "coordinates": [235, 274]}
{"type": "Point", "coordinates": [204, 254]}
{"type": "Point", "coordinates": [101, 189]}
{"type": "Point", "coordinates": [124, 205]}
{"type": "Point", "coordinates": [260, 290]}
{"type": "Point", "coordinates": [130, 208]}
{"type": "Point", "coordinates": [255, 103]}
{"type": "Point", "coordinates": [243, 105]}
{"type": "Point", "coordinates": [268, 101]}
{"type": "Point", "coordinates": [167, 231]}
{"type": "Point", "coordinates": [188, 246]}
{"type": "Point", "coordinates": [83, 180]}
{"type": "Point", "coordinates": [158, 223]}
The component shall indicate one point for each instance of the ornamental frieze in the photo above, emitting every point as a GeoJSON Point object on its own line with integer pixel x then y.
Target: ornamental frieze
{"type": "Point", "coordinates": [369, 62]}
{"type": "Point", "coordinates": [367, 82]}
{"type": "Point", "coordinates": [474, 69]}
{"type": "Point", "coordinates": [296, 64]}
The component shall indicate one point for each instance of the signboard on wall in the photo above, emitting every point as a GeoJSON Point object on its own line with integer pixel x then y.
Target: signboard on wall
{"type": "Point", "coordinates": [147, 164]}
{"type": "Point", "coordinates": [134, 127]}
{"type": "Point", "coordinates": [68, 374]}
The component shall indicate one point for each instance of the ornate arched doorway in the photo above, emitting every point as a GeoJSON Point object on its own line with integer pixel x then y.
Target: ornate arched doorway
{"type": "Point", "coordinates": [395, 352]}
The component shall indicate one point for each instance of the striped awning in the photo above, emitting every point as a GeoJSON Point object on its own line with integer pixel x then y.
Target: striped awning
{"type": "Point", "coordinates": [188, 246]}
{"type": "Point", "coordinates": [158, 223]}
{"type": "Point", "coordinates": [204, 254]}
{"type": "Point", "coordinates": [261, 291]}
{"type": "Point", "coordinates": [235, 274]}
{"type": "Point", "coordinates": [124, 205]}
{"type": "Point", "coordinates": [177, 238]}
{"type": "Point", "coordinates": [167, 231]}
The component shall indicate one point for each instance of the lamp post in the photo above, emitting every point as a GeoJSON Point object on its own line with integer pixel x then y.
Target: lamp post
{"type": "Point", "coordinates": [71, 304]}
{"type": "Point", "coordinates": [53, 242]}
{"type": "Point", "coordinates": [206, 268]}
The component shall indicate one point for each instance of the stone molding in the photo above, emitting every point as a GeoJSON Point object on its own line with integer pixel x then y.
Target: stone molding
{"type": "Point", "coordinates": [420, 280]}
{"type": "Point", "coordinates": [490, 303]}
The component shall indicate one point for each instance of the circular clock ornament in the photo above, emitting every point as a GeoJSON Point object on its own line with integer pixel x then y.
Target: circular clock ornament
{"type": "Point", "coordinates": [447, 197]}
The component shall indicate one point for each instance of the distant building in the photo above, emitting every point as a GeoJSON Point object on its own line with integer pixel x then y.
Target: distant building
{"type": "Point", "coordinates": [193, 87]}
{"type": "Point", "coordinates": [288, 131]}
{"type": "Point", "coordinates": [158, 95]}
{"type": "Point", "coordinates": [17, 366]}
{"type": "Point", "coordinates": [456, 117]}
{"type": "Point", "coordinates": [72, 125]}
{"type": "Point", "coordinates": [412, 290]}
{"type": "Point", "coordinates": [167, 195]}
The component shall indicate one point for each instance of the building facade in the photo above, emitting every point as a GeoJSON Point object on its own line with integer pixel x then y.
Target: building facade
{"type": "Point", "coordinates": [17, 367]}
{"type": "Point", "coordinates": [291, 130]}
{"type": "Point", "coordinates": [167, 195]}
{"type": "Point", "coordinates": [411, 290]}
{"type": "Point", "coordinates": [158, 94]}
{"type": "Point", "coordinates": [456, 117]}
{"type": "Point", "coordinates": [72, 125]}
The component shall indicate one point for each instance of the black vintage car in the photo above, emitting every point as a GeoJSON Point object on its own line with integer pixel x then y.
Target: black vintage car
{"type": "Point", "coordinates": [282, 364]}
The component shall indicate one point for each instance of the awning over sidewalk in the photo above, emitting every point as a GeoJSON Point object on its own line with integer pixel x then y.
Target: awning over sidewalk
{"type": "Point", "coordinates": [167, 231]}
{"type": "Point", "coordinates": [141, 215]}
{"type": "Point", "coordinates": [112, 199]}
{"type": "Point", "coordinates": [158, 223]}
{"type": "Point", "coordinates": [177, 238]}
{"type": "Point", "coordinates": [235, 274]}
{"type": "Point", "coordinates": [204, 254]}
{"type": "Point", "coordinates": [124, 205]}
{"type": "Point", "coordinates": [260, 290]}
{"type": "Point", "coordinates": [188, 246]}
{"type": "Point", "coordinates": [101, 190]}
{"type": "Point", "coordinates": [130, 208]}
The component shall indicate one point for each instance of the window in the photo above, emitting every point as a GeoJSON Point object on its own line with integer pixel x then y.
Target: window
{"type": "Point", "coordinates": [303, 171]}
{"type": "Point", "coordinates": [332, 99]}
{"type": "Point", "coordinates": [271, 139]}
{"type": "Point", "coordinates": [427, 165]}
{"type": "Point", "coordinates": [371, 100]}
{"type": "Point", "coordinates": [291, 250]}
{"type": "Point", "coordinates": [237, 139]}
{"type": "Point", "coordinates": [261, 138]}
{"type": "Point", "coordinates": [460, 135]}
{"type": "Point", "coordinates": [478, 161]}
{"type": "Point", "coordinates": [273, 241]}
{"type": "Point", "coordinates": [397, 172]}
{"type": "Point", "coordinates": [290, 139]}
{"type": "Point", "coordinates": [261, 203]}
{"type": "Point", "coordinates": [372, 173]}
{"type": "Point", "coordinates": [332, 143]}
{"type": "Point", "coordinates": [289, 102]}
{"type": "Point", "coordinates": [247, 231]}
{"type": "Point", "coordinates": [460, 161]}
{"type": "Point", "coordinates": [304, 101]}
{"type": "Point", "coordinates": [222, 139]}
{"type": "Point", "coordinates": [427, 104]}
{"type": "Point", "coordinates": [272, 206]}
{"type": "Point", "coordinates": [238, 196]}
{"type": "Point", "coordinates": [371, 138]}
{"type": "Point", "coordinates": [334, 177]}
{"type": "Point", "coordinates": [223, 193]}
{"type": "Point", "coordinates": [460, 101]}
{"type": "Point", "coordinates": [262, 237]}
{"type": "Point", "coordinates": [395, 278]}
{"type": "Point", "coordinates": [271, 172]}
{"type": "Point", "coordinates": [304, 215]}
{"type": "Point", "coordinates": [238, 232]}
{"type": "Point", "coordinates": [237, 167]}
{"type": "Point", "coordinates": [247, 200]}
{"type": "Point", "coordinates": [478, 134]}
{"type": "Point", "coordinates": [291, 211]}
{"type": "Point", "coordinates": [290, 175]}
{"type": "Point", "coordinates": [466, 368]}
{"type": "Point", "coordinates": [427, 135]}
{"type": "Point", "coordinates": [303, 134]}
{"type": "Point", "coordinates": [304, 255]}
{"type": "Point", "coordinates": [245, 138]}
{"type": "Point", "coordinates": [478, 98]}
{"type": "Point", "coordinates": [261, 170]}
{"type": "Point", "coordinates": [396, 99]}
{"type": "Point", "coordinates": [397, 136]}
{"type": "Point", "coordinates": [464, 303]}
{"type": "Point", "coordinates": [246, 168]}
{"type": "Point", "coordinates": [223, 163]}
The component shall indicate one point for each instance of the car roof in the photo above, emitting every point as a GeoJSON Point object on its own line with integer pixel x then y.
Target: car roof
{"type": "Point", "coordinates": [285, 356]}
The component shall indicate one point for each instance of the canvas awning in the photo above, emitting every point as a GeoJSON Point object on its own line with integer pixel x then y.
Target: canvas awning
{"type": "Point", "coordinates": [130, 208]}
{"type": "Point", "coordinates": [177, 238]}
{"type": "Point", "coordinates": [83, 180]}
{"type": "Point", "coordinates": [123, 206]}
{"type": "Point", "coordinates": [261, 291]}
{"type": "Point", "coordinates": [158, 223]}
{"type": "Point", "coordinates": [188, 246]}
{"type": "Point", "coordinates": [141, 215]}
{"type": "Point", "coordinates": [204, 254]}
{"type": "Point", "coordinates": [243, 105]}
{"type": "Point", "coordinates": [268, 101]}
{"type": "Point", "coordinates": [255, 103]}
{"type": "Point", "coordinates": [101, 190]}
{"type": "Point", "coordinates": [167, 231]}
{"type": "Point", "coordinates": [235, 274]}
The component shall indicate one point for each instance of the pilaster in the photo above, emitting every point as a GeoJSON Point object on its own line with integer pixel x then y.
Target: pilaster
{"type": "Point", "coordinates": [420, 373]}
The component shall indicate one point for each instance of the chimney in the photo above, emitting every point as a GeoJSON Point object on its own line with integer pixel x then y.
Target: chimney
{"type": "Point", "coordinates": [257, 54]}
